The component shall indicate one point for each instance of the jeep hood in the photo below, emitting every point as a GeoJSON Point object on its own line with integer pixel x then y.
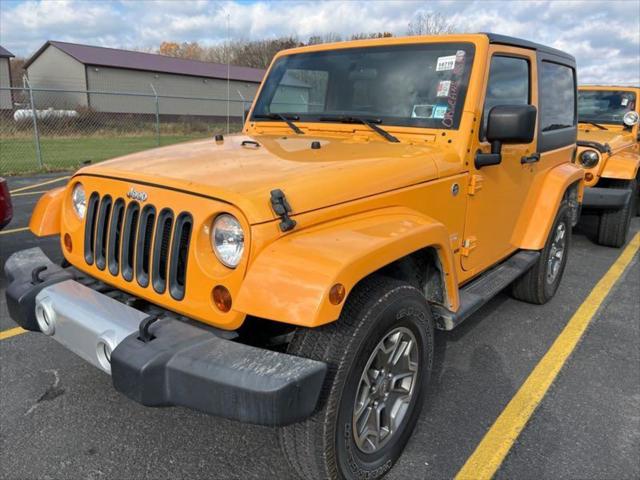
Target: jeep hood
{"type": "Point", "coordinates": [244, 175]}
{"type": "Point", "coordinates": [616, 139]}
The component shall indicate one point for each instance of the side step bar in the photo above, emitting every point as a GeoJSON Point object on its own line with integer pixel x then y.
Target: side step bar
{"type": "Point", "coordinates": [483, 288]}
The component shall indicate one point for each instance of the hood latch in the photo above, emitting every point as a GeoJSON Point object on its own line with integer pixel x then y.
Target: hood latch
{"type": "Point", "coordinates": [282, 208]}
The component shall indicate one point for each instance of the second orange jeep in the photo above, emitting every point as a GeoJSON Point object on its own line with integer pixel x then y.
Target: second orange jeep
{"type": "Point", "coordinates": [608, 141]}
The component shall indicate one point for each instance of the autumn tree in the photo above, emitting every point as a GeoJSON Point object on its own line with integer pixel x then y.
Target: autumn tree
{"type": "Point", "coordinates": [171, 49]}
{"type": "Point", "coordinates": [191, 50]}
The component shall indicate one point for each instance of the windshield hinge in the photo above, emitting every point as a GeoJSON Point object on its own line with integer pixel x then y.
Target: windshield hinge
{"type": "Point", "coordinates": [467, 246]}
{"type": "Point", "coordinates": [282, 208]}
{"type": "Point", "coordinates": [475, 184]}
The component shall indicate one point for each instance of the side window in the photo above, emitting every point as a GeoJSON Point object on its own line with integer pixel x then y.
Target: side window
{"type": "Point", "coordinates": [508, 84]}
{"type": "Point", "coordinates": [557, 97]}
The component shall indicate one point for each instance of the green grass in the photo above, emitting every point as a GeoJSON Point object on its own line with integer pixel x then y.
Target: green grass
{"type": "Point", "coordinates": [18, 155]}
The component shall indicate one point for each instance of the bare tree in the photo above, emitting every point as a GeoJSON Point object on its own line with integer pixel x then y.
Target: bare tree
{"type": "Point", "coordinates": [428, 23]}
{"type": "Point", "coordinates": [366, 36]}
{"type": "Point", "coordinates": [329, 37]}
{"type": "Point", "coordinates": [17, 71]}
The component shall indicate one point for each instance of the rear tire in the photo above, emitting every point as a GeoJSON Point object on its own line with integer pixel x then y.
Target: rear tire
{"type": "Point", "coordinates": [379, 312]}
{"type": "Point", "coordinates": [540, 283]}
{"type": "Point", "coordinates": [614, 224]}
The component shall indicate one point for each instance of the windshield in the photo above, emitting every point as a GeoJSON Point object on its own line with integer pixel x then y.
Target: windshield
{"type": "Point", "coordinates": [421, 85]}
{"type": "Point", "coordinates": [604, 106]}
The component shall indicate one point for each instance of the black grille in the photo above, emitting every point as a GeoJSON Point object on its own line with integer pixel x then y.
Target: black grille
{"type": "Point", "coordinates": [138, 243]}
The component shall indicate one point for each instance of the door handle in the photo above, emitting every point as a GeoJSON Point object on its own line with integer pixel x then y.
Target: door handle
{"type": "Point", "coordinates": [533, 158]}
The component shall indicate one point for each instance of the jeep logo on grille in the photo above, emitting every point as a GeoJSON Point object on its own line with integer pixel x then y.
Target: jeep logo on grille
{"type": "Point", "coordinates": [133, 194]}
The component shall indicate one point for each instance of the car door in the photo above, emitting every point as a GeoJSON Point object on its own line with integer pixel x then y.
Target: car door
{"type": "Point", "coordinates": [497, 193]}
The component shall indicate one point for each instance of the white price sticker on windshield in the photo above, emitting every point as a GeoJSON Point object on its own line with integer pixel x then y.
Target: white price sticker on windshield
{"type": "Point", "coordinates": [625, 102]}
{"type": "Point", "coordinates": [445, 63]}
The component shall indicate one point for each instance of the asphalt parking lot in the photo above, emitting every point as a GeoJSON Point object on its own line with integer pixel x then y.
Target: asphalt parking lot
{"type": "Point", "coordinates": [61, 418]}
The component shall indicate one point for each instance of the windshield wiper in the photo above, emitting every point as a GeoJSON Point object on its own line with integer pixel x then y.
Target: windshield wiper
{"type": "Point", "coordinates": [285, 117]}
{"type": "Point", "coordinates": [369, 122]}
{"type": "Point", "coordinates": [594, 124]}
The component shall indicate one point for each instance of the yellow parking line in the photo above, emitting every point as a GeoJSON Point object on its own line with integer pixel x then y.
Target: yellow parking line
{"type": "Point", "coordinates": [28, 193]}
{"type": "Point", "coordinates": [15, 230]}
{"type": "Point", "coordinates": [494, 447]}
{"type": "Point", "coordinates": [48, 182]}
{"type": "Point", "coordinates": [12, 332]}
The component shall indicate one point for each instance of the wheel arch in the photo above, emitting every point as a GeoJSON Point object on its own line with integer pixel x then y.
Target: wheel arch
{"type": "Point", "coordinates": [623, 165]}
{"type": "Point", "coordinates": [565, 181]}
{"type": "Point", "coordinates": [47, 214]}
{"type": "Point", "coordinates": [289, 281]}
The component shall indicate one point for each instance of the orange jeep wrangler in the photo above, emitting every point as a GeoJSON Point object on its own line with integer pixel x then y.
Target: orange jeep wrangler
{"type": "Point", "coordinates": [293, 275]}
{"type": "Point", "coordinates": [608, 150]}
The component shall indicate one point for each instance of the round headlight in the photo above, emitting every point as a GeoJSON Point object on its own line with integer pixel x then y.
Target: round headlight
{"type": "Point", "coordinates": [227, 239]}
{"type": "Point", "coordinates": [630, 118]}
{"type": "Point", "coordinates": [589, 158]}
{"type": "Point", "coordinates": [79, 200]}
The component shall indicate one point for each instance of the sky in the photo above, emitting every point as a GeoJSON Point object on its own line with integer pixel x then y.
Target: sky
{"type": "Point", "coordinates": [604, 36]}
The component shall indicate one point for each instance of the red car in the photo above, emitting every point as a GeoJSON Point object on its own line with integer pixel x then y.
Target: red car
{"type": "Point", "coordinates": [6, 209]}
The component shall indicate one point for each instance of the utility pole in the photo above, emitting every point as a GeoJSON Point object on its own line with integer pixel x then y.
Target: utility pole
{"type": "Point", "coordinates": [34, 118]}
{"type": "Point", "coordinates": [228, 72]}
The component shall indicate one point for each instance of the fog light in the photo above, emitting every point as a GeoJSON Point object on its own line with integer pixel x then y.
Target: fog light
{"type": "Point", "coordinates": [68, 244]}
{"type": "Point", "coordinates": [336, 294]}
{"type": "Point", "coordinates": [222, 298]}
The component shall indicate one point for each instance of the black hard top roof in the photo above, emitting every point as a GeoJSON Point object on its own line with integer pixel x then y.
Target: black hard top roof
{"type": "Point", "coordinates": [518, 42]}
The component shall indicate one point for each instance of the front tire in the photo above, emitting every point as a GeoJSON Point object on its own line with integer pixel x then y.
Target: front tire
{"type": "Point", "coordinates": [380, 355]}
{"type": "Point", "coordinates": [614, 224]}
{"type": "Point", "coordinates": [540, 283]}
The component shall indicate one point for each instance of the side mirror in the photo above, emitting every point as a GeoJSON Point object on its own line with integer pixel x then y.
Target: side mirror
{"type": "Point", "coordinates": [507, 124]}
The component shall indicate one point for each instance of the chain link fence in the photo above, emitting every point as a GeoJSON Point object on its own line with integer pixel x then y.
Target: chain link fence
{"type": "Point", "coordinates": [59, 130]}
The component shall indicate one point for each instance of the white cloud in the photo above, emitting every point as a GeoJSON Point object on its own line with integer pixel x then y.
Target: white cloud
{"type": "Point", "coordinates": [603, 35]}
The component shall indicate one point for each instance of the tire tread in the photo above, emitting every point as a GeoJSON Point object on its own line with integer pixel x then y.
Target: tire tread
{"type": "Point", "coordinates": [302, 443]}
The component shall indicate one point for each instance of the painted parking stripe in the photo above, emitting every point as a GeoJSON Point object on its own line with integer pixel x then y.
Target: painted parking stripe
{"type": "Point", "coordinates": [12, 332]}
{"type": "Point", "coordinates": [22, 194]}
{"type": "Point", "coordinates": [48, 182]}
{"type": "Point", "coordinates": [14, 230]}
{"type": "Point", "coordinates": [494, 447]}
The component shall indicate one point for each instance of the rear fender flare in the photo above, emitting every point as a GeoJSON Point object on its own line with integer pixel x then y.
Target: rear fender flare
{"type": "Point", "coordinates": [543, 203]}
{"type": "Point", "coordinates": [289, 281]}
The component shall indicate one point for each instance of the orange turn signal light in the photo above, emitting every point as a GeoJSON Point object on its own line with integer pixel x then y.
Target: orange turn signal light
{"type": "Point", "coordinates": [588, 176]}
{"type": "Point", "coordinates": [68, 244]}
{"type": "Point", "coordinates": [222, 298]}
{"type": "Point", "coordinates": [336, 294]}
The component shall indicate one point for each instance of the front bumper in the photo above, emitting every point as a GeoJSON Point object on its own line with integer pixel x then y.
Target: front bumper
{"type": "Point", "coordinates": [598, 198]}
{"type": "Point", "coordinates": [177, 363]}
